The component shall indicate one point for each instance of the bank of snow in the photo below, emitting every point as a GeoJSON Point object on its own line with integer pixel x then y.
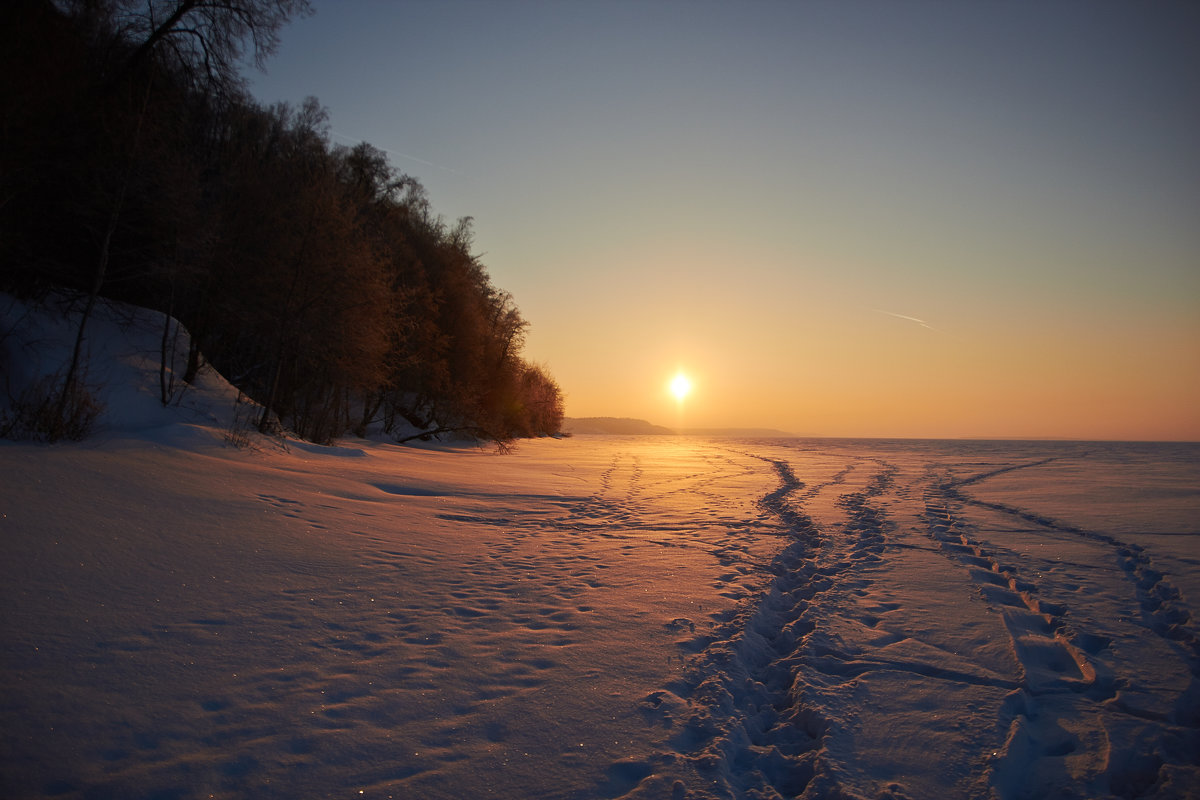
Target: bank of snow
{"type": "Point", "coordinates": [131, 359]}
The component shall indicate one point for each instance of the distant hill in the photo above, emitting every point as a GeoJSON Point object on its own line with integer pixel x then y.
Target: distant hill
{"type": "Point", "coordinates": [626, 426]}
{"type": "Point", "coordinates": [754, 433]}
{"type": "Point", "coordinates": [614, 426]}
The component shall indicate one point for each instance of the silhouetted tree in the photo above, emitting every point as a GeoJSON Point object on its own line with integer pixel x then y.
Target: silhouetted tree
{"type": "Point", "coordinates": [204, 40]}
{"type": "Point", "coordinates": [542, 401]}
{"type": "Point", "coordinates": [317, 278]}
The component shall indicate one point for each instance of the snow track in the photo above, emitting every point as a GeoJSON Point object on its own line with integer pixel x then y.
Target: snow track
{"type": "Point", "coordinates": [607, 618]}
{"type": "Point", "coordinates": [901, 597]}
{"type": "Point", "coordinates": [740, 725]}
{"type": "Point", "coordinates": [1071, 657]}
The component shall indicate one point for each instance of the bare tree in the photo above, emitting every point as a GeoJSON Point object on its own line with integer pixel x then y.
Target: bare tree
{"type": "Point", "coordinates": [201, 39]}
{"type": "Point", "coordinates": [206, 39]}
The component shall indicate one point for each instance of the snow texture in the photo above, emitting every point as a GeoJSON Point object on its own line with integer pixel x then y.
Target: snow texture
{"type": "Point", "coordinates": [595, 617]}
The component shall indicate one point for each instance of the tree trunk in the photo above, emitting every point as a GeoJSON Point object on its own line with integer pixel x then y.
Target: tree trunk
{"type": "Point", "coordinates": [166, 376]}
{"type": "Point", "coordinates": [71, 379]}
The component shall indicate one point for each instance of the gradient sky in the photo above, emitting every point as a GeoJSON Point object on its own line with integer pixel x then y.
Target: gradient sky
{"type": "Point", "coordinates": [928, 219]}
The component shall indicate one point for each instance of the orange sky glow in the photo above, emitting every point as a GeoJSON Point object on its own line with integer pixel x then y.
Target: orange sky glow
{"type": "Point", "coordinates": [840, 219]}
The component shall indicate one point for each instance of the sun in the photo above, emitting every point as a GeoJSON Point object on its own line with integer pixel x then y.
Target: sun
{"type": "Point", "coordinates": [681, 386]}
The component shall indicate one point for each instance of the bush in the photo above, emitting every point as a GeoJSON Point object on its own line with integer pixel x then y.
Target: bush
{"type": "Point", "coordinates": [47, 411]}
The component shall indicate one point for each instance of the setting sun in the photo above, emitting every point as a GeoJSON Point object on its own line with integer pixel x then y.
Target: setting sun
{"type": "Point", "coordinates": [681, 386]}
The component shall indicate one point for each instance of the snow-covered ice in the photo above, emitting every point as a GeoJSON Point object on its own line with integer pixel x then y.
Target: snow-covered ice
{"type": "Point", "coordinates": [597, 617]}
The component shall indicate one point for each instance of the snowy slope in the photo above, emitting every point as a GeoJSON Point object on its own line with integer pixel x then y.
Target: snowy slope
{"type": "Point", "coordinates": [122, 356]}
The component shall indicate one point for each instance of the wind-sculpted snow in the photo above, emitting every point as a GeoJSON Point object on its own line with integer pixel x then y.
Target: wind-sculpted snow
{"type": "Point", "coordinates": [601, 617]}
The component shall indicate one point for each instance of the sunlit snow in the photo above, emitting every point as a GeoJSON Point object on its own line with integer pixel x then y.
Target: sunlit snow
{"type": "Point", "coordinates": [593, 617]}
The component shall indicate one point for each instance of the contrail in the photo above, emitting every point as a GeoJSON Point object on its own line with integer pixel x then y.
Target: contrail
{"type": "Point", "coordinates": [920, 322]}
{"type": "Point", "coordinates": [397, 153]}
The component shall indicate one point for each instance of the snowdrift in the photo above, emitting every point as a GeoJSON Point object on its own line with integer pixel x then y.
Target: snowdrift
{"type": "Point", "coordinates": [132, 360]}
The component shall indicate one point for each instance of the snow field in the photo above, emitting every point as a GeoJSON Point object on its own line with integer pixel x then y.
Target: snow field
{"type": "Point", "coordinates": [594, 617]}
{"type": "Point", "coordinates": [597, 617]}
{"type": "Point", "coordinates": [217, 621]}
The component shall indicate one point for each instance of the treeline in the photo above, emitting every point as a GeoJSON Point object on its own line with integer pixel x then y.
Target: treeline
{"type": "Point", "coordinates": [318, 279]}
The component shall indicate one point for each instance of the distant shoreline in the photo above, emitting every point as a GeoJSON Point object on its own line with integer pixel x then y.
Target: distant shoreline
{"type": "Point", "coordinates": [629, 426]}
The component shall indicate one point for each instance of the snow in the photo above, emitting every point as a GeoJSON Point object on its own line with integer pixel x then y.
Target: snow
{"type": "Point", "coordinates": [594, 617]}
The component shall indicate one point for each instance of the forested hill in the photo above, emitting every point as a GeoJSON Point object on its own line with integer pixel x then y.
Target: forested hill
{"type": "Point", "coordinates": [317, 278]}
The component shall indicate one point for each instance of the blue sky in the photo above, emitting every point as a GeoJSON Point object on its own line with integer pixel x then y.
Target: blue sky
{"type": "Point", "coordinates": [764, 194]}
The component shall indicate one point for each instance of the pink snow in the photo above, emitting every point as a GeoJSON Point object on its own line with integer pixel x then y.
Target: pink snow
{"type": "Point", "coordinates": [593, 617]}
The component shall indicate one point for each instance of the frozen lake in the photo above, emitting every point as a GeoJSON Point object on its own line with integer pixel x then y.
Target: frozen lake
{"type": "Point", "coordinates": [599, 617]}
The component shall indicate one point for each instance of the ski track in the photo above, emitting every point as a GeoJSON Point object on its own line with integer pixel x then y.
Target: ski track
{"type": "Point", "coordinates": [736, 719]}
{"type": "Point", "coordinates": [743, 726]}
{"type": "Point", "coordinates": [751, 717]}
{"type": "Point", "coordinates": [1066, 666]}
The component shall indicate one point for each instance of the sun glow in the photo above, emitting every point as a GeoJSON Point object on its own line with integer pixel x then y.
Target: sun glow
{"type": "Point", "coordinates": [681, 386]}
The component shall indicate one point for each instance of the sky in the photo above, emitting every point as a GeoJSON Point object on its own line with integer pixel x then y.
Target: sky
{"type": "Point", "coordinates": [898, 219]}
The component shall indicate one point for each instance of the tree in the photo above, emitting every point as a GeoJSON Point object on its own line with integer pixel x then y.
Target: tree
{"type": "Point", "coordinates": [318, 279]}
{"type": "Point", "coordinates": [204, 39]}
{"type": "Point", "coordinates": [542, 400]}
{"type": "Point", "coordinates": [134, 46]}
{"type": "Point", "coordinates": [301, 309]}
